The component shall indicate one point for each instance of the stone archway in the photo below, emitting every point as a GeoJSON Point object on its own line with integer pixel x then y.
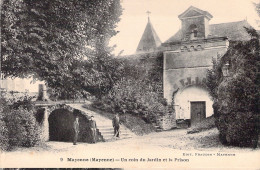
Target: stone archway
{"type": "Point", "coordinates": [56, 123]}
{"type": "Point", "coordinates": [61, 125]}
{"type": "Point", "coordinates": [192, 103]}
{"type": "Point", "coordinates": [61, 122]}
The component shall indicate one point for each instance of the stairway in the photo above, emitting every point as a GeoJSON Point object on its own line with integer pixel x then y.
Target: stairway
{"type": "Point", "coordinates": [108, 133]}
{"type": "Point", "coordinates": [104, 125]}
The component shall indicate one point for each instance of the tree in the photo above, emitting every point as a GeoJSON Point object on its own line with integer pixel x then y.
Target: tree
{"type": "Point", "coordinates": [50, 39]}
{"type": "Point", "coordinates": [138, 90]}
{"type": "Point", "coordinates": [257, 8]}
{"type": "Point", "coordinates": [236, 97]}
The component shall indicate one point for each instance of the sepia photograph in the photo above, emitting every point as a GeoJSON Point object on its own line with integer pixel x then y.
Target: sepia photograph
{"type": "Point", "coordinates": [126, 84]}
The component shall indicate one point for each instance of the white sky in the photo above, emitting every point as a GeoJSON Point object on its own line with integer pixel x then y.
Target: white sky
{"type": "Point", "coordinates": [164, 18]}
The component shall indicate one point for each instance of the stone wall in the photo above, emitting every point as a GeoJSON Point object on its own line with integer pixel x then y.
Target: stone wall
{"type": "Point", "coordinates": [188, 68]}
{"type": "Point", "coordinates": [198, 21]}
{"type": "Point", "coordinates": [167, 121]}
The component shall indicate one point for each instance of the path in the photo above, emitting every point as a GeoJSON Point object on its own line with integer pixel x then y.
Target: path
{"type": "Point", "coordinates": [169, 144]}
{"type": "Point", "coordinates": [104, 125]}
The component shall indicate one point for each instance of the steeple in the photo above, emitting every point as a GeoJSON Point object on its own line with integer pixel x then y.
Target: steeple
{"type": "Point", "coordinates": [150, 40]}
{"type": "Point", "coordinates": [148, 13]}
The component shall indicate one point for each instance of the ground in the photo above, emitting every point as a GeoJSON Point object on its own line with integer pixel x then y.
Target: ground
{"type": "Point", "coordinates": [172, 145]}
{"type": "Point", "coordinates": [173, 139]}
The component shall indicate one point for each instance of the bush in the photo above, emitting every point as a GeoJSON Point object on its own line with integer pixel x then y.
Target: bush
{"type": "Point", "coordinates": [133, 97]}
{"type": "Point", "coordinates": [4, 142]}
{"type": "Point", "coordinates": [138, 91]}
{"type": "Point", "coordinates": [236, 97]}
{"type": "Point", "coordinates": [237, 121]}
{"type": "Point", "coordinates": [19, 127]}
{"type": "Point", "coordinates": [23, 130]}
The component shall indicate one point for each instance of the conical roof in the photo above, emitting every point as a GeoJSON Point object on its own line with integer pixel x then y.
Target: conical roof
{"type": "Point", "coordinates": [150, 40]}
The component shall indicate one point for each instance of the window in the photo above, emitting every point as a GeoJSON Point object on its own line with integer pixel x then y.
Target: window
{"type": "Point", "coordinates": [199, 47]}
{"type": "Point", "coordinates": [184, 49]}
{"type": "Point", "coordinates": [193, 30]}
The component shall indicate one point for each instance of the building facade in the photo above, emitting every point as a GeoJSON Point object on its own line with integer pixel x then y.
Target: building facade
{"type": "Point", "coordinates": [187, 56]}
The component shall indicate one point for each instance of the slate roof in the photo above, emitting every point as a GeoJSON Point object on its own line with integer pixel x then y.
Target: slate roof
{"type": "Point", "coordinates": [149, 40]}
{"type": "Point", "coordinates": [233, 30]}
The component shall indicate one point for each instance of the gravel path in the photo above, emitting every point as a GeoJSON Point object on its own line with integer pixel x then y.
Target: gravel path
{"type": "Point", "coordinates": [175, 139]}
{"type": "Point", "coordinates": [169, 145]}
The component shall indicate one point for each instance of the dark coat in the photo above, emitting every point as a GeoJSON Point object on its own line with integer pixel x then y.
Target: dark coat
{"type": "Point", "coordinates": [116, 121]}
{"type": "Point", "coordinates": [92, 124]}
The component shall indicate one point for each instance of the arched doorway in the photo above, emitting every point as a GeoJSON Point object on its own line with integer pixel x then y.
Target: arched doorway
{"type": "Point", "coordinates": [61, 126]}
{"type": "Point", "coordinates": [193, 104]}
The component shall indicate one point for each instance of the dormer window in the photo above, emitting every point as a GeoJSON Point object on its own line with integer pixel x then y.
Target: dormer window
{"type": "Point", "coordinates": [195, 23]}
{"type": "Point", "coordinates": [193, 30]}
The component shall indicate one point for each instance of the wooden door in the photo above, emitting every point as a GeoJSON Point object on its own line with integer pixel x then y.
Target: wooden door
{"type": "Point", "coordinates": [198, 112]}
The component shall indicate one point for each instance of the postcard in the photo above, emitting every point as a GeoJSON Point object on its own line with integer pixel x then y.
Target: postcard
{"type": "Point", "coordinates": [130, 84]}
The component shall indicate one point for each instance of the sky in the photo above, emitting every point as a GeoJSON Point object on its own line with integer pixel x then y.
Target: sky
{"type": "Point", "coordinates": [164, 18]}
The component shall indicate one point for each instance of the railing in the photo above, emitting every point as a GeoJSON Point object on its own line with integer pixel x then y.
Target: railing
{"type": "Point", "coordinates": [50, 102]}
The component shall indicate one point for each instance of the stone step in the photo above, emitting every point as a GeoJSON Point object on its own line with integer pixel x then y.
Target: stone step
{"type": "Point", "coordinates": [104, 125]}
{"type": "Point", "coordinates": [121, 136]}
{"type": "Point", "coordinates": [112, 130]}
{"type": "Point", "coordinates": [112, 134]}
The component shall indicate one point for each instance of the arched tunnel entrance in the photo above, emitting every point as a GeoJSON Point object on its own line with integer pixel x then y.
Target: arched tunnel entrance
{"type": "Point", "coordinates": [61, 126]}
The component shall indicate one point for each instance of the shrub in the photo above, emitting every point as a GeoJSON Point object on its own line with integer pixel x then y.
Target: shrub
{"type": "Point", "coordinates": [4, 142]}
{"type": "Point", "coordinates": [236, 97]}
{"type": "Point", "coordinates": [138, 91]}
{"type": "Point", "coordinates": [133, 97]}
{"type": "Point", "coordinates": [237, 120]}
{"type": "Point", "coordinates": [19, 127]}
{"type": "Point", "coordinates": [23, 129]}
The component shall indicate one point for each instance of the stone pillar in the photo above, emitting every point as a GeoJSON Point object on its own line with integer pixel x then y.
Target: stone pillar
{"type": "Point", "coordinates": [42, 93]}
{"type": "Point", "coordinates": [45, 125]}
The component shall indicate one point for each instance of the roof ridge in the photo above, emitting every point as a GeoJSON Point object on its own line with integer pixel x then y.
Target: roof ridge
{"type": "Point", "coordinates": [229, 22]}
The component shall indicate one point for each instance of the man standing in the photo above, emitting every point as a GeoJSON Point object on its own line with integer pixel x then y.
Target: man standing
{"type": "Point", "coordinates": [93, 128]}
{"type": "Point", "coordinates": [76, 130]}
{"type": "Point", "coordinates": [116, 125]}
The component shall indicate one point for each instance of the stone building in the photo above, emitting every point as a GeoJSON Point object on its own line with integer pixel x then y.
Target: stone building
{"type": "Point", "coordinates": [187, 56]}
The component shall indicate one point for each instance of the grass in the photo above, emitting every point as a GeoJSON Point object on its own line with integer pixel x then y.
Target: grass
{"type": "Point", "coordinates": [134, 123]}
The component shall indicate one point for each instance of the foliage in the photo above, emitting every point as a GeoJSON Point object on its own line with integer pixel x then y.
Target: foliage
{"type": "Point", "coordinates": [19, 126]}
{"type": "Point", "coordinates": [213, 78]}
{"type": "Point", "coordinates": [257, 7]}
{"type": "Point", "coordinates": [4, 142]}
{"type": "Point", "coordinates": [64, 43]}
{"type": "Point", "coordinates": [138, 92]}
{"type": "Point", "coordinates": [23, 129]}
{"type": "Point", "coordinates": [236, 97]}
{"type": "Point", "coordinates": [135, 123]}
